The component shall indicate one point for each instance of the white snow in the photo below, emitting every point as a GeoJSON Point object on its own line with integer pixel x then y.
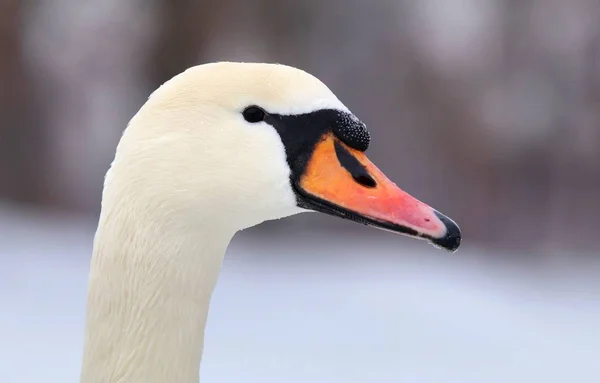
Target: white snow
{"type": "Point", "coordinates": [306, 309]}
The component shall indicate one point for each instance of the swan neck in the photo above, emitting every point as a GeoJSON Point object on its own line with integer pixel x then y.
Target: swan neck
{"type": "Point", "coordinates": [148, 298]}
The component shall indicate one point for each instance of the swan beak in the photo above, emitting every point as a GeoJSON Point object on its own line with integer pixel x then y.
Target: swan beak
{"type": "Point", "coordinates": [341, 181]}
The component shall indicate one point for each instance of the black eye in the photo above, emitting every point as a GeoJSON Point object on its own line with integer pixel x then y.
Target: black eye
{"type": "Point", "coordinates": [254, 114]}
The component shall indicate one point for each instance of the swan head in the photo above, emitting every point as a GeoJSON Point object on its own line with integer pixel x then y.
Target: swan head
{"type": "Point", "coordinates": [235, 144]}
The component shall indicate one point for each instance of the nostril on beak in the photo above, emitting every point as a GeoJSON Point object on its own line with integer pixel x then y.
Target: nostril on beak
{"type": "Point", "coordinates": [354, 167]}
{"type": "Point", "coordinates": [365, 180]}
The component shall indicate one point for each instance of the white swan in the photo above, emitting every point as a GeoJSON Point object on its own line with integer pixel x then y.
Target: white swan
{"type": "Point", "coordinates": [219, 148]}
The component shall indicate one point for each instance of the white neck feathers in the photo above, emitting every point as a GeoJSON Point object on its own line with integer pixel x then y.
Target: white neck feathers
{"type": "Point", "coordinates": [150, 286]}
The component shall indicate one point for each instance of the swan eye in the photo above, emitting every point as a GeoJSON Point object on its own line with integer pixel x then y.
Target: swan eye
{"type": "Point", "coordinates": [254, 114]}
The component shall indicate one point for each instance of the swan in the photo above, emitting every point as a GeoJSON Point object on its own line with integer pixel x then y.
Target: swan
{"type": "Point", "coordinates": [216, 149]}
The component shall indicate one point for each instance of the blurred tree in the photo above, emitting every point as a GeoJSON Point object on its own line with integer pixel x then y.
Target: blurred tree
{"type": "Point", "coordinates": [186, 28]}
{"type": "Point", "coordinates": [22, 151]}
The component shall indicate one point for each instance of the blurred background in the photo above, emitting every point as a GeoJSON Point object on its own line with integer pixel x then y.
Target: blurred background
{"type": "Point", "coordinates": [488, 111]}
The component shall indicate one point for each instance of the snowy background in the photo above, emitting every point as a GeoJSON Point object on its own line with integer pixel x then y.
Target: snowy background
{"type": "Point", "coordinates": [297, 308]}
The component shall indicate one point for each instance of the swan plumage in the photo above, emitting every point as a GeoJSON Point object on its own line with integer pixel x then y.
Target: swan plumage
{"type": "Point", "coordinates": [192, 169]}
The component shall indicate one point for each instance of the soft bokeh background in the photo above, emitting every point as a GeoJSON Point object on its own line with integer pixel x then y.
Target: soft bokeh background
{"type": "Point", "coordinates": [487, 110]}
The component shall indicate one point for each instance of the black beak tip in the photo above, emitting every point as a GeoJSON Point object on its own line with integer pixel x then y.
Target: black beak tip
{"type": "Point", "coordinates": [450, 241]}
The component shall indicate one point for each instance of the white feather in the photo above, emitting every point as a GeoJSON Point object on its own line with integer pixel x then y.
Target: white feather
{"type": "Point", "coordinates": [188, 173]}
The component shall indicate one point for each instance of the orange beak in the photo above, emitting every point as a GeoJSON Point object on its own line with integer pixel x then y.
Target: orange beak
{"type": "Point", "coordinates": [342, 181]}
